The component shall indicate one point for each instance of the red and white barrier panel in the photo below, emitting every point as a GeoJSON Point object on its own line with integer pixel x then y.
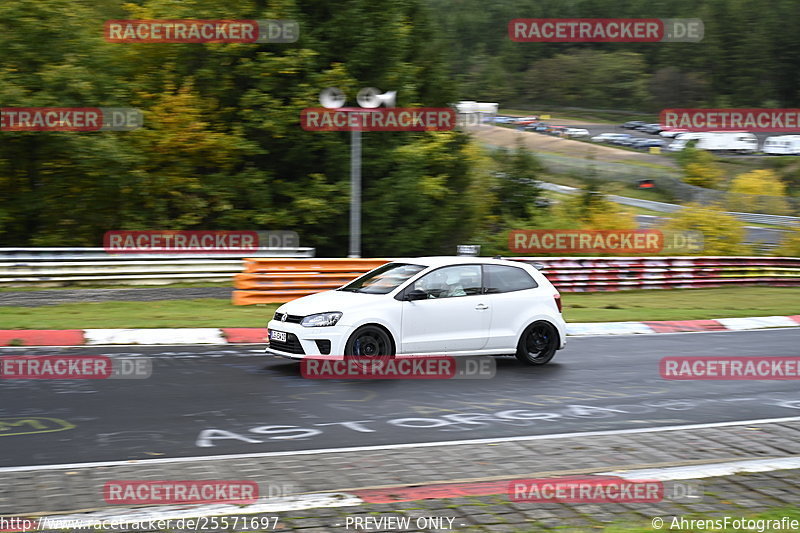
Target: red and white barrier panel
{"type": "Point", "coordinates": [587, 274]}
{"type": "Point", "coordinates": [268, 281]}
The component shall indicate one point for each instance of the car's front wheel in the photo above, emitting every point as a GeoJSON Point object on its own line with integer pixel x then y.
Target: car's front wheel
{"type": "Point", "coordinates": [369, 341]}
{"type": "Point", "coordinates": [538, 343]}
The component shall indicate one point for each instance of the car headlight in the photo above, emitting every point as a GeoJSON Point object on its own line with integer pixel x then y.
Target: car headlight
{"type": "Point", "coordinates": [321, 319]}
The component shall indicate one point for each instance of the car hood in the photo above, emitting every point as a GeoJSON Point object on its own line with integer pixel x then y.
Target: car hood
{"type": "Point", "coordinates": [323, 302]}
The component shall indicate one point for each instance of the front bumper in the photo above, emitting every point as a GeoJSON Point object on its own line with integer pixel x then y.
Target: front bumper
{"type": "Point", "coordinates": [303, 343]}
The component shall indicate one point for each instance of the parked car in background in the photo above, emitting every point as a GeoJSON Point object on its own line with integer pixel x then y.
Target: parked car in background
{"type": "Point", "coordinates": [607, 137]}
{"type": "Point", "coordinates": [576, 132]}
{"type": "Point", "coordinates": [653, 129]}
{"type": "Point", "coordinates": [782, 145]}
{"type": "Point", "coordinates": [633, 124]}
{"type": "Point", "coordinates": [672, 133]}
{"type": "Point", "coordinates": [644, 144]}
{"type": "Point", "coordinates": [524, 121]}
{"type": "Point", "coordinates": [623, 139]}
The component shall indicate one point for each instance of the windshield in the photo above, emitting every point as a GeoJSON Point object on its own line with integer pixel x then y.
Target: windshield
{"type": "Point", "coordinates": [383, 279]}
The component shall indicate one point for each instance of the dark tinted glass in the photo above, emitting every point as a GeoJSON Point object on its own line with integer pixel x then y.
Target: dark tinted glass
{"type": "Point", "coordinates": [501, 278]}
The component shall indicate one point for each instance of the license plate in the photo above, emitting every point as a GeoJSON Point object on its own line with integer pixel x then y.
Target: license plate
{"type": "Point", "coordinates": [279, 336]}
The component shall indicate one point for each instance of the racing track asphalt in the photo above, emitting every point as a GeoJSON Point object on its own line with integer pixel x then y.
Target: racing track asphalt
{"type": "Point", "coordinates": [213, 400]}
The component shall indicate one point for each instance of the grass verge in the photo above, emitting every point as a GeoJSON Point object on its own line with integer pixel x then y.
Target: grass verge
{"type": "Point", "coordinates": [682, 304]}
{"type": "Point", "coordinates": [199, 313]}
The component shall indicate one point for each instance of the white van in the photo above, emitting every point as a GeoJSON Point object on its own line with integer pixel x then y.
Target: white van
{"type": "Point", "coordinates": [681, 140]}
{"type": "Point", "coordinates": [740, 142]}
{"type": "Point", "coordinates": [471, 106]}
{"type": "Point", "coordinates": [782, 145]}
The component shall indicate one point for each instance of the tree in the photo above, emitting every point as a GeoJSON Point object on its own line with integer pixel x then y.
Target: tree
{"type": "Point", "coordinates": [222, 147]}
{"type": "Point", "coordinates": [790, 245]}
{"type": "Point", "coordinates": [700, 169]}
{"type": "Point", "coordinates": [758, 191]}
{"type": "Point", "coordinates": [672, 87]}
{"type": "Point", "coordinates": [723, 234]}
{"type": "Point", "coordinates": [618, 80]}
{"type": "Point", "coordinates": [516, 187]}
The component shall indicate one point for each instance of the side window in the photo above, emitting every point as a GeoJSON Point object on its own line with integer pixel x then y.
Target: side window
{"type": "Point", "coordinates": [450, 282]}
{"type": "Point", "coordinates": [501, 278]}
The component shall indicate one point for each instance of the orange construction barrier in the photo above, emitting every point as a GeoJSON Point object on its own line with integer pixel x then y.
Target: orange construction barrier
{"type": "Point", "coordinates": [279, 280]}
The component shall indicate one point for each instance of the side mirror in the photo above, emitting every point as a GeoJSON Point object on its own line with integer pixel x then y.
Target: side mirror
{"type": "Point", "coordinates": [416, 294]}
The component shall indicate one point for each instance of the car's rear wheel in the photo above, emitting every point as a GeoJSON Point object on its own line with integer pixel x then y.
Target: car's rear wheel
{"type": "Point", "coordinates": [369, 341]}
{"type": "Point", "coordinates": [538, 343]}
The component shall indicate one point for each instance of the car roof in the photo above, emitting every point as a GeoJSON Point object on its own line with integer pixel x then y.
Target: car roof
{"type": "Point", "coordinates": [443, 260]}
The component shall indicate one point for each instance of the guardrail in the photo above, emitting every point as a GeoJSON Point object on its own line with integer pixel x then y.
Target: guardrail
{"type": "Point", "coordinates": [48, 267]}
{"type": "Point", "coordinates": [753, 218]}
{"type": "Point", "coordinates": [275, 281]}
{"type": "Point", "coordinates": [80, 254]}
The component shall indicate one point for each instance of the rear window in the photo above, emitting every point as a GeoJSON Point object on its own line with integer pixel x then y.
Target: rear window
{"type": "Point", "coordinates": [501, 278]}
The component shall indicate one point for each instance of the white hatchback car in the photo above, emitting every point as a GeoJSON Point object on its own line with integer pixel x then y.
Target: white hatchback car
{"type": "Point", "coordinates": [427, 305]}
{"type": "Point", "coordinates": [576, 132]}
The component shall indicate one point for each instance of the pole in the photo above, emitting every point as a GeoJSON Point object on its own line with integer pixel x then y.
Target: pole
{"type": "Point", "coordinates": [355, 194]}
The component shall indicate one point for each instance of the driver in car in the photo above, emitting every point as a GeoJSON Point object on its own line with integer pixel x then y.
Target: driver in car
{"type": "Point", "coordinates": [454, 286]}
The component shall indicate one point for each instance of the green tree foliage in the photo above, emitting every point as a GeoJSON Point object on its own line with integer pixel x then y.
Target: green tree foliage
{"type": "Point", "coordinates": [515, 183]}
{"type": "Point", "coordinates": [592, 210]}
{"type": "Point", "coordinates": [722, 234]}
{"type": "Point", "coordinates": [618, 80]}
{"type": "Point", "coordinates": [222, 146]}
{"type": "Point", "coordinates": [790, 245]}
{"type": "Point", "coordinates": [700, 168]}
{"type": "Point", "coordinates": [758, 191]}
{"type": "Point", "coordinates": [749, 56]}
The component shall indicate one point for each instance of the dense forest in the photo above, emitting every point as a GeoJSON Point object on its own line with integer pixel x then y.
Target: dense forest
{"type": "Point", "coordinates": [749, 56]}
{"type": "Point", "coordinates": [222, 147]}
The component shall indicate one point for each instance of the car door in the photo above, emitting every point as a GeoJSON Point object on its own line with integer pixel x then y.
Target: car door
{"type": "Point", "coordinates": [454, 317]}
{"type": "Point", "coordinates": [513, 296]}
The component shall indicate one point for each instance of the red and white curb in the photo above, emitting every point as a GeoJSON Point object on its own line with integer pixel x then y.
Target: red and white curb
{"type": "Point", "coordinates": [395, 494]}
{"type": "Point", "coordinates": [171, 336]}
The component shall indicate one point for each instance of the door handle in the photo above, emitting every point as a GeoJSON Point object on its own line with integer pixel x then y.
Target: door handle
{"type": "Point", "coordinates": [481, 307]}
